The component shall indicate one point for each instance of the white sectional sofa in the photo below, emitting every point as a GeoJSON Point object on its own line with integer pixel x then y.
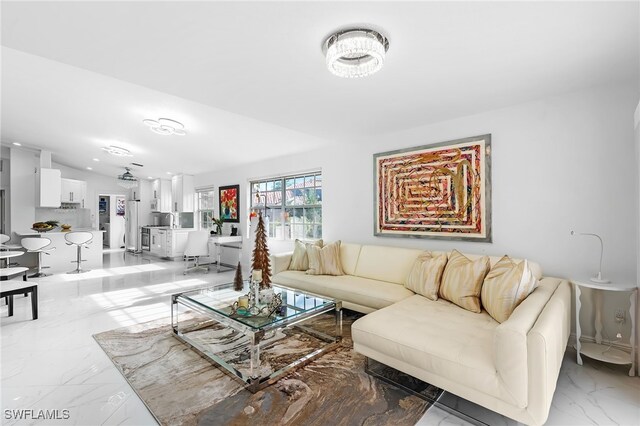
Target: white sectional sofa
{"type": "Point", "coordinates": [510, 368]}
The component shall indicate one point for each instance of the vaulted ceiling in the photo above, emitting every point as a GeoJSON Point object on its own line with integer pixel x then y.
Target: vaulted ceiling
{"type": "Point", "coordinates": [248, 79]}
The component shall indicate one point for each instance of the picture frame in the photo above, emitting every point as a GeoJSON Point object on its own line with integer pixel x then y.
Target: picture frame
{"type": "Point", "coordinates": [229, 203]}
{"type": "Point", "coordinates": [120, 203]}
{"type": "Point", "coordinates": [438, 191]}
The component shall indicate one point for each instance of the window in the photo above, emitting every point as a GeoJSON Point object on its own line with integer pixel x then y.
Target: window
{"type": "Point", "coordinates": [205, 208]}
{"type": "Point", "coordinates": [291, 205]}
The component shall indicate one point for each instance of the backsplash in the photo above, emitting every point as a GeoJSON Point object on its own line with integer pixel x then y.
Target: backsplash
{"type": "Point", "coordinates": [77, 218]}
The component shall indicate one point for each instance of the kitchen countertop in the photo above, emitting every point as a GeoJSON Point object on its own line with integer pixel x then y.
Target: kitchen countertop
{"type": "Point", "coordinates": [168, 228]}
{"type": "Point", "coordinates": [30, 233]}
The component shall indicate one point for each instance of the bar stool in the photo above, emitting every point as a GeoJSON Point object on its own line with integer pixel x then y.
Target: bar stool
{"type": "Point", "coordinates": [80, 239]}
{"type": "Point", "coordinates": [4, 239]}
{"type": "Point", "coordinates": [38, 245]}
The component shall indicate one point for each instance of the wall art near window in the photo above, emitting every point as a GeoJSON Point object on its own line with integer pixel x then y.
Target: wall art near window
{"type": "Point", "coordinates": [229, 203]}
{"type": "Point", "coordinates": [440, 191]}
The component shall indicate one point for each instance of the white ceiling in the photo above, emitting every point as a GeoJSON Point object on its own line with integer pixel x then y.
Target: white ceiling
{"type": "Point", "coordinates": [192, 61]}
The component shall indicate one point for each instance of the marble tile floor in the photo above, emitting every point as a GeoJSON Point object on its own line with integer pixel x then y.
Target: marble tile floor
{"type": "Point", "coordinates": [54, 363]}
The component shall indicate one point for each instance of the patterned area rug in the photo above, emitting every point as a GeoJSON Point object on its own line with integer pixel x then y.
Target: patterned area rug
{"type": "Point", "coordinates": [181, 388]}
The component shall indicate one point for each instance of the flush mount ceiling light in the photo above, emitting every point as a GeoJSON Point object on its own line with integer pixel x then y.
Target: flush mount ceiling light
{"type": "Point", "coordinates": [117, 151]}
{"type": "Point", "coordinates": [356, 52]}
{"type": "Point", "coordinates": [165, 126]}
{"type": "Point", "coordinates": [127, 180]}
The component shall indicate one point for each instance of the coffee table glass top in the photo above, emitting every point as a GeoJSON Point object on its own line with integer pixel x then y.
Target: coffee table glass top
{"type": "Point", "coordinates": [219, 299]}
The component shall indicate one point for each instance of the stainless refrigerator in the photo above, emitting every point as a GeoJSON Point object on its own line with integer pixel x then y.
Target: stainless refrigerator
{"type": "Point", "coordinates": [132, 240]}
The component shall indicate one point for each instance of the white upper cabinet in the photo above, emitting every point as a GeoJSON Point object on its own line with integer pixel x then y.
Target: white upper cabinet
{"type": "Point", "coordinates": [183, 193]}
{"type": "Point", "coordinates": [49, 188]}
{"type": "Point", "coordinates": [73, 191]}
{"type": "Point", "coordinates": [161, 195]}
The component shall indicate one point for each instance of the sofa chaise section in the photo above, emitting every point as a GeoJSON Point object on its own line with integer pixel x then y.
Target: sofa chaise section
{"type": "Point", "coordinates": [510, 368]}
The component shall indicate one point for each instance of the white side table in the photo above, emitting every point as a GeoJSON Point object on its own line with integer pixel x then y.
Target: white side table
{"type": "Point", "coordinates": [597, 350]}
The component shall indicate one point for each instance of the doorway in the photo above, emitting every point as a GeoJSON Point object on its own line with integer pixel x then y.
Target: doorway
{"type": "Point", "coordinates": [110, 222]}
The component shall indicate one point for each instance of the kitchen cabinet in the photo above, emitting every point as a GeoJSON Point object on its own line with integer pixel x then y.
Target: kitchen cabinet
{"type": "Point", "coordinates": [155, 245]}
{"type": "Point", "coordinates": [73, 191]}
{"type": "Point", "coordinates": [161, 196]}
{"type": "Point", "coordinates": [176, 242]}
{"type": "Point", "coordinates": [134, 193]}
{"type": "Point", "coordinates": [49, 188]}
{"type": "Point", "coordinates": [183, 193]}
{"type": "Point", "coordinates": [163, 234]}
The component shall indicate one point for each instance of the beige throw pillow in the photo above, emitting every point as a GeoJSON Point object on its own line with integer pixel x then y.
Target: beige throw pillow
{"type": "Point", "coordinates": [426, 274]}
{"type": "Point", "coordinates": [325, 260]}
{"type": "Point", "coordinates": [507, 284]}
{"type": "Point", "coordinates": [300, 259]}
{"type": "Point", "coordinates": [462, 280]}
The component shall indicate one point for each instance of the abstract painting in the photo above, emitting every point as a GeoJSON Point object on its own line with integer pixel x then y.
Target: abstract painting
{"type": "Point", "coordinates": [438, 191]}
{"type": "Point", "coordinates": [120, 206]}
{"type": "Point", "coordinates": [229, 203]}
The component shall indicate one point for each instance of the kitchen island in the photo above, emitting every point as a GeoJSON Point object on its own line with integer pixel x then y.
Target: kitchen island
{"type": "Point", "coordinates": [170, 243]}
{"type": "Point", "coordinates": [62, 259]}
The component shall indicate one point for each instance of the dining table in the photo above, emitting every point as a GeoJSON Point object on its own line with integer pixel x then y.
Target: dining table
{"type": "Point", "coordinates": [6, 255]}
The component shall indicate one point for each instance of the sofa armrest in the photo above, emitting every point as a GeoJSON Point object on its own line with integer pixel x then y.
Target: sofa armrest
{"type": "Point", "coordinates": [511, 342]}
{"type": "Point", "coordinates": [546, 345]}
{"type": "Point", "coordinates": [280, 262]}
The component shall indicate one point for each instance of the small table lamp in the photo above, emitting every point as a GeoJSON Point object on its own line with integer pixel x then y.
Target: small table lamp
{"type": "Point", "coordinates": [598, 278]}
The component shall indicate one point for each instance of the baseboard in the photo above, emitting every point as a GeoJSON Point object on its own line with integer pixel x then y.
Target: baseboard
{"type": "Point", "coordinates": [618, 345]}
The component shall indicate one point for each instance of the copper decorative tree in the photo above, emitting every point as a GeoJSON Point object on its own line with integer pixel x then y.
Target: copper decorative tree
{"type": "Point", "coordinates": [237, 280]}
{"type": "Point", "coordinates": [260, 256]}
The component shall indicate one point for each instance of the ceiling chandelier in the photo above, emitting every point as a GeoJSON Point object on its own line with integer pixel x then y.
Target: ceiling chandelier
{"type": "Point", "coordinates": [355, 52]}
{"type": "Point", "coordinates": [165, 126]}
{"type": "Point", "coordinates": [117, 151]}
{"type": "Point", "coordinates": [127, 180]}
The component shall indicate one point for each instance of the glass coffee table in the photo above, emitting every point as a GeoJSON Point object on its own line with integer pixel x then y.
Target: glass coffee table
{"type": "Point", "coordinates": [205, 320]}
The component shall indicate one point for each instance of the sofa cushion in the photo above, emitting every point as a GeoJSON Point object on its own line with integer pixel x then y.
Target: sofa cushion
{"type": "Point", "coordinates": [357, 290]}
{"type": "Point", "coordinates": [349, 254]}
{"type": "Point", "coordinates": [435, 336]}
{"type": "Point", "coordinates": [535, 267]}
{"type": "Point", "coordinates": [325, 260]}
{"type": "Point", "coordinates": [391, 264]}
{"type": "Point", "coordinates": [462, 280]}
{"type": "Point", "coordinates": [506, 285]}
{"type": "Point", "coordinates": [426, 274]}
{"type": "Point", "coordinates": [299, 258]}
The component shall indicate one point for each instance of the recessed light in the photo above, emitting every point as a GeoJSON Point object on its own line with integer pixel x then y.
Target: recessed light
{"type": "Point", "coordinates": [169, 173]}
{"type": "Point", "coordinates": [117, 151]}
{"type": "Point", "coordinates": [149, 177]}
{"type": "Point", "coordinates": [96, 159]}
{"type": "Point", "coordinates": [89, 168]}
{"type": "Point", "coordinates": [17, 144]}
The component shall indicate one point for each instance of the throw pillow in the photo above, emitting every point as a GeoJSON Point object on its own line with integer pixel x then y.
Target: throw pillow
{"type": "Point", "coordinates": [462, 280]}
{"type": "Point", "coordinates": [300, 259]}
{"type": "Point", "coordinates": [426, 274]}
{"type": "Point", "coordinates": [325, 260]}
{"type": "Point", "coordinates": [507, 284]}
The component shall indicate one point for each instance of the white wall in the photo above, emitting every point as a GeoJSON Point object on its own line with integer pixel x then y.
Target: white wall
{"type": "Point", "coordinates": [636, 123]}
{"type": "Point", "coordinates": [560, 163]}
{"type": "Point", "coordinates": [5, 179]}
{"type": "Point", "coordinates": [22, 202]}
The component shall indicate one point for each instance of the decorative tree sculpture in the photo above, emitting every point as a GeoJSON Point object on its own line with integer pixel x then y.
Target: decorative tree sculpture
{"type": "Point", "coordinates": [237, 280]}
{"type": "Point", "coordinates": [261, 254]}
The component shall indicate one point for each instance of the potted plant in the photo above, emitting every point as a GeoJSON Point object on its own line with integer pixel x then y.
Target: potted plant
{"type": "Point", "coordinates": [218, 222]}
